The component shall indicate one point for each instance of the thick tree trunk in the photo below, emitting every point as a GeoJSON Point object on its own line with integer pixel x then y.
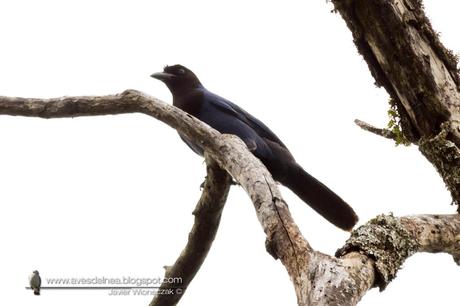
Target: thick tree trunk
{"type": "Point", "coordinates": [406, 57]}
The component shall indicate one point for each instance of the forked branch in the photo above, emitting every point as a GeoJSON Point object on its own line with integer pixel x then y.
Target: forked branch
{"type": "Point", "coordinates": [370, 258]}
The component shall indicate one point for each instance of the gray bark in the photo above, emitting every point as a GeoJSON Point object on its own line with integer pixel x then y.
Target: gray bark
{"type": "Point", "coordinates": [207, 218]}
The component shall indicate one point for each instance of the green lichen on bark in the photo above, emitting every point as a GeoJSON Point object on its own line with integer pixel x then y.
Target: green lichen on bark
{"type": "Point", "coordinates": [384, 240]}
{"type": "Point", "coordinates": [445, 156]}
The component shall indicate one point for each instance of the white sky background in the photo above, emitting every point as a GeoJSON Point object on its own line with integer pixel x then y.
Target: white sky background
{"type": "Point", "coordinates": [112, 196]}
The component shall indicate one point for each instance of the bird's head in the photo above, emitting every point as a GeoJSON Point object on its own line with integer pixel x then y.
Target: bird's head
{"type": "Point", "coordinates": [35, 272]}
{"type": "Point", "coordinates": [178, 78]}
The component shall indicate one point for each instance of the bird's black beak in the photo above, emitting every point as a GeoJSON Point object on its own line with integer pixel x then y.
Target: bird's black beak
{"type": "Point", "coordinates": [163, 76]}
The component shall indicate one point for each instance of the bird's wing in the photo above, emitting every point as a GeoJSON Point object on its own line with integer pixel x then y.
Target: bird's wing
{"type": "Point", "coordinates": [195, 148]}
{"type": "Point", "coordinates": [258, 126]}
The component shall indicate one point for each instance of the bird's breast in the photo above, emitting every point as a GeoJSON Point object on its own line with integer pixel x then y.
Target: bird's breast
{"type": "Point", "coordinates": [191, 104]}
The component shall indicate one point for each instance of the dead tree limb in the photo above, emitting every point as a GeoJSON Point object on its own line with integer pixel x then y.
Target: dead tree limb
{"type": "Point", "coordinates": [284, 240]}
{"type": "Point", "coordinates": [370, 258]}
{"type": "Point", "coordinates": [207, 218]}
{"type": "Point", "coordinates": [375, 130]}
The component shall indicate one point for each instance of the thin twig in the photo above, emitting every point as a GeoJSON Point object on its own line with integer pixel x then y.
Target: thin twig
{"type": "Point", "coordinates": [375, 130]}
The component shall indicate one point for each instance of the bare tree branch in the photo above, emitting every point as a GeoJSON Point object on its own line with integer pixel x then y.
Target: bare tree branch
{"type": "Point", "coordinates": [370, 258]}
{"type": "Point", "coordinates": [435, 233]}
{"type": "Point", "coordinates": [207, 218]}
{"type": "Point", "coordinates": [284, 240]}
{"type": "Point", "coordinates": [375, 252]}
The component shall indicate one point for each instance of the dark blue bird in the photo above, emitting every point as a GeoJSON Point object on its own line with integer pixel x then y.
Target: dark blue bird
{"type": "Point", "coordinates": [228, 118]}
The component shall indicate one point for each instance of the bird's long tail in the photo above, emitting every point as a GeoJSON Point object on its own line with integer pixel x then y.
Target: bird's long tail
{"type": "Point", "coordinates": [319, 197]}
{"type": "Point", "coordinates": [37, 291]}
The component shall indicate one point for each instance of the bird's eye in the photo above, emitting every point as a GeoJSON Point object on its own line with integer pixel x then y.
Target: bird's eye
{"type": "Point", "coordinates": [181, 71]}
